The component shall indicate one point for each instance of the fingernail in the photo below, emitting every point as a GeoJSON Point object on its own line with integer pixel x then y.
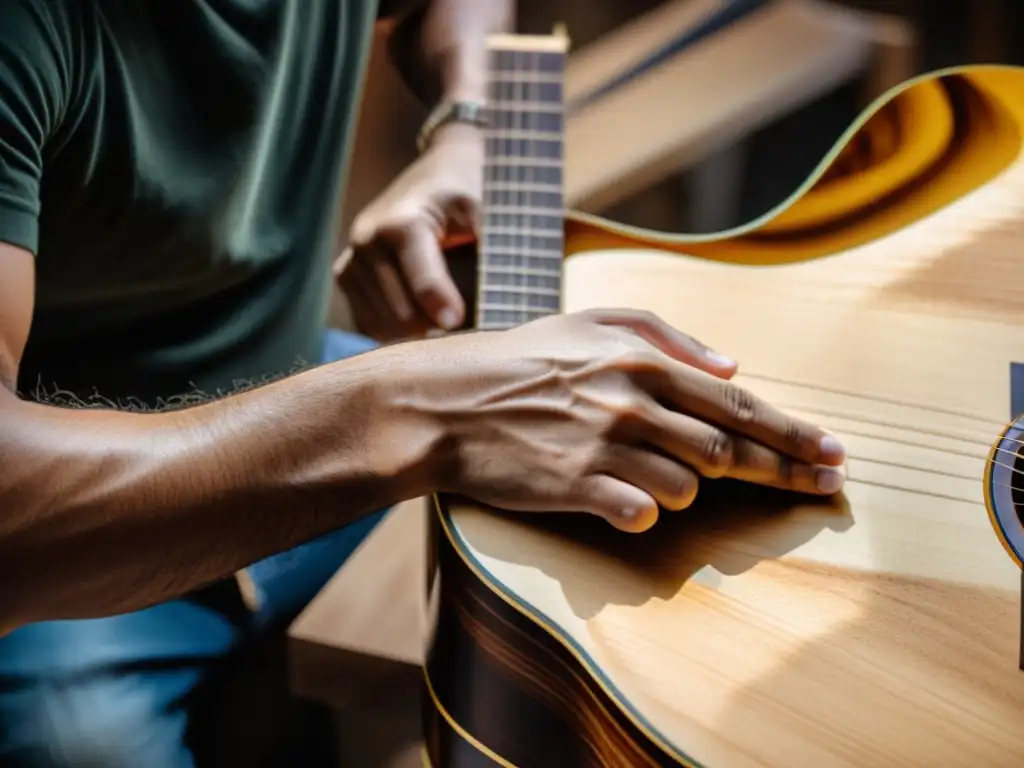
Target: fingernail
{"type": "Point", "coordinates": [718, 359]}
{"type": "Point", "coordinates": [831, 447]}
{"type": "Point", "coordinates": [829, 481]}
{"type": "Point", "coordinates": [447, 319]}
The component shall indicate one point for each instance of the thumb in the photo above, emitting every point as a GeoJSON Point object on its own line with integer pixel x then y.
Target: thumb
{"type": "Point", "coordinates": [669, 340]}
{"type": "Point", "coordinates": [426, 271]}
{"type": "Point", "coordinates": [623, 505]}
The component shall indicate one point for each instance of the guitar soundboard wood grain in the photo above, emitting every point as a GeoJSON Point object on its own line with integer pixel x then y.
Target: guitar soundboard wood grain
{"type": "Point", "coordinates": [762, 630]}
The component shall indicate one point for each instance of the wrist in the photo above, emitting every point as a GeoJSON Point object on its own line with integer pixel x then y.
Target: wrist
{"type": "Point", "coordinates": [464, 79]}
{"type": "Point", "coordinates": [457, 133]}
{"type": "Point", "coordinates": [409, 441]}
{"type": "Point", "coordinates": [452, 115]}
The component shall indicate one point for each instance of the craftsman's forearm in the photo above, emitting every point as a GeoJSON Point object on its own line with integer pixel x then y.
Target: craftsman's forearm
{"type": "Point", "coordinates": [441, 47]}
{"type": "Point", "coordinates": [106, 512]}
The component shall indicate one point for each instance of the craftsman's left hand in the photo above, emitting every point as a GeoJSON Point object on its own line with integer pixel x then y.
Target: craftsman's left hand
{"type": "Point", "coordinates": [393, 271]}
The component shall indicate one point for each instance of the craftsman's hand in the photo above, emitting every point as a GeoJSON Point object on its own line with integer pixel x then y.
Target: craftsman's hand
{"type": "Point", "coordinates": [606, 412]}
{"type": "Point", "coordinates": [394, 272]}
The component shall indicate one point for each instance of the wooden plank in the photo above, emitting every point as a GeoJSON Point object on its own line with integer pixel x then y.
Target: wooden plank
{"type": "Point", "coordinates": [628, 46]}
{"type": "Point", "coordinates": [709, 95]}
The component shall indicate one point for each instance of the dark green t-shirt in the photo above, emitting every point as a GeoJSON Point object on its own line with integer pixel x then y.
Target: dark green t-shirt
{"type": "Point", "coordinates": [176, 167]}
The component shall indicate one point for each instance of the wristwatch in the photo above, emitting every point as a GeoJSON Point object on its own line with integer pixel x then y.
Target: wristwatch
{"type": "Point", "coordinates": [471, 112]}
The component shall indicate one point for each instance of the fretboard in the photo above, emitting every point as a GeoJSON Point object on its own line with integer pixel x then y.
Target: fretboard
{"type": "Point", "coordinates": [521, 242]}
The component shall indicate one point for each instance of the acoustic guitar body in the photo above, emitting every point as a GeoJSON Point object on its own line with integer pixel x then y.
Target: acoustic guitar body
{"type": "Point", "coordinates": [881, 628]}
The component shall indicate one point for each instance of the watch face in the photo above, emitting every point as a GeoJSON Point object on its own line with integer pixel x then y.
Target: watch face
{"type": "Point", "coordinates": [469, 112]}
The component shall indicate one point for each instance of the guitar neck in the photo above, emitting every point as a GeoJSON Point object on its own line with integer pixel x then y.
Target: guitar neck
{"type": "Point", "coordinates": [523, 217]}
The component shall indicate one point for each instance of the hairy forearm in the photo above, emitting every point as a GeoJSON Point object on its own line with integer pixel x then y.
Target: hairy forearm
{"type": "Point", "coordinates": [440, 48]}
{"type": "Point", "coordinates": [106, 512]}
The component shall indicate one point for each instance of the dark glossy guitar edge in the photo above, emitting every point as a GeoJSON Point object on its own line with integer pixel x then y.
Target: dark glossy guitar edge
{"type": "Point", "coordinates": [502, 691]}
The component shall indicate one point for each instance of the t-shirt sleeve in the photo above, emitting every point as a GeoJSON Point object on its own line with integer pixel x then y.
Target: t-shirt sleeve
{"type": "Point", "coordinates": [31, 95]}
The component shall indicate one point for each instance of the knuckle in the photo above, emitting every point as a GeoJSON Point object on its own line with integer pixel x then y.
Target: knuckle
{"type": "Point", "coordinates": [792, 435]}
{"type": "Point", "coordinates": [716, 451]}
{"type": "Point", "coordinates": [584, 317]}
{"type": "Point", "coordinates": [740, 404]}
{"type": "Point", "coordinates": [637, 359]}
{"type": "Point", "coordinates": [647, 317]}
{"type": "Point", "coordinates": [631, 410]}
{"type": "Point", "coordinates": [611, 455]}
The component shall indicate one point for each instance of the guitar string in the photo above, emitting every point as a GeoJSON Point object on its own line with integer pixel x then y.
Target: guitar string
{"type": "Point", "coordinates": [908, 428]}
{"type": "Point", "coordinates": [875, 398]}
{"type": "Point", "coordinates": [532, 66]}
{"type": "Point", "coordinates": [514, 118]}
{"type": "Point", "coordinates": [503, 192]}
{"type": "Point", "coordinates": [521, 119]}
{"type": "Point", "coordinates": [900, 426]}
{"type": "Point", "coordinates": [1015, 471]}
{"type": "Point", "coordinates": [511, 197]}
{"type": "Point", "coordinates": [519, 114]}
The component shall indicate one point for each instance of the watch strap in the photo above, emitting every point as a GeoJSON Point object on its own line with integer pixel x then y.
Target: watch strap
{"type": "Point", "coordinates": [470, 112]}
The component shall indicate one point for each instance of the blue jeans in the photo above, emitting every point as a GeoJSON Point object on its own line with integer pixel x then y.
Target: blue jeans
{"type": "Point", "coordinates": [150, 689]}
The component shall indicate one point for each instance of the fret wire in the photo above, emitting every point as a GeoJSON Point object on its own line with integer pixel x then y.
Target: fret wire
{"type": "Point", "coordinates": [515, 315]}
{"type": "Point", "coordinates": [533, 162]}
{"type": "Point", "coordinates": [506, 281]}
{"type": "Point", "coordinates": [545, 122]}
{"type": "Point", "coordinates": [498, 269]}
{"type": "Point", "coordinates": [543, 186]}
{"type": "Point", "coordinates": [526, 221]}
{"type": "Point", "coordinates": [527, 147]}
{"type": "Point", "coordinates": [512, 76]}
{"type": "Point", "coordinates": [526, 289]}
{"type": "Point", "coordinates": [538, 231]}
{"type": "Point", "coordinates": [501, 186]}
{"type": "Point", "coordinates": [548, 195]}
{"type": "Point", "coordinates": [532, 135]}
{"type": "Point", "coordinates": [510, 250]}
{"type": "Point", "coordinates": [533, 106]}
{"type": "Point", "coordinates": [509, 280]}
{"type": "Point", "coordinates": [539, 255]}
{"type": "Point", "coordinates": [523, 262]}
{"type": "Point", "coordinates": [489, 300]}
{"type": "Point", "coordinates": [543, 211]}
{"type": "Point", "coordinates": [499, 297]}
{"type": "Point", "coordinates": [531, 200]}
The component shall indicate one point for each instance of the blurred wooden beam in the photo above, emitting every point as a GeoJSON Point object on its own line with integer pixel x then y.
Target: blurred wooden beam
{"type": "Point", "coordinates": [628, 46]}
{"type": "Point", "coordinates": [895, 55]}
{"type": "Point", "coordinates": [707, 96]}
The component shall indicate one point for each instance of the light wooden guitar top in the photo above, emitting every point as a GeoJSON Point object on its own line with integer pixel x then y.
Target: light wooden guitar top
{"type": "Point", "coordinates": [879, 629]}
